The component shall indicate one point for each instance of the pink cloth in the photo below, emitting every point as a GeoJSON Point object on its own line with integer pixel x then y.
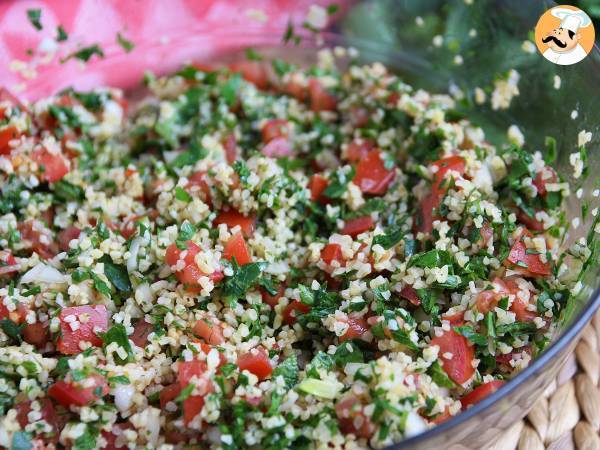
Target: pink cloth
{"type": "Point", "coordinates": [165, 33]}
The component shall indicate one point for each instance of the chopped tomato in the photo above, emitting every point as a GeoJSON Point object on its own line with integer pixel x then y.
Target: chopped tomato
{"type": "Point", "coordinates": [359, 117]}
{"type": "Point", "coordinates": [190, 369]}
{"type": "Point", "coordinates": [455, 319]}
{"type": "Point", "coordinates": [454, 163]}
{"type": "Point", "coordinates": [232, 218]}
{"type": "Point", "coordinates": [112, 436]}
{"type": "Point", "coordinates": [357, 226]}
{"type": "Point", "coordinates": [141, 331]}
{"type": "Point", "coordinates": [36, 334]}
{"type": "Point", "coordinates": [79, 393]}
{"type": "Point", "coordinates": [209, 329]}
{"type": "Point", "coordinates": [253, 71]}
{"type": "Point", "coordinates": [459, 366]}
{"type": "Point", "coordinates": [545, 176]}
{"type": "Point", "coordinates": [487, 300]}
{"type": "Point", "coordinates": [17, 315]}
{"type": "Point", "coordinates": [53, 166]}
{"type": "Point", "coordinates": [426, 212]}
{"type": "Point", "coordinates": [236, 248]}
{"type": "Point", "coordinates": [80, 324]}
{"type": "Point", "coordinates": [526, 262]}
{"type": "Point", "coordinates": [230, 146]}
{"type": "Point", "coordinates": [192, 407]}
{"type": "Point", "coordinates": [191, 273]}
{"type": "Point", "coordinates": [319, 98]}
{"type": "Point", "coordinates": [480, 392]}
{"type": "Point", "coordinates": [169, 394]}
{"type": "Point", "coordinates": [293, 310]}
{"type": "Point", "coordinates": [272, 300]}
{"type": "Point", "coordinates": [47, 411]}
{"type": "Point", "coordinates": [278, 147]}
{"type": "Point", "coordinates": [197, 180]}
{"type": "Point", "coordinates": [274, 128]}
{"type": "Point", "coordinates": [352, 418]}
{"type": "Point", "coordinates": [332, 252]}
{"type": "Point", "coordinates": [359, 149]}
{"type": "Point", "coordinates": [372, 177]}
{"type": "Point", "coordinates": [357, 327]}
{"type": "Point", "coordinates": [410, 294]}
{"type": "Point", "coordinates": [317, 185]}
{"type": "Point", "coordinates": [530, 222]}
{"type": "Point", "coordinates": [38, 238]}
{"type": "Point", "coordinates": [487, 233]}
{"type": "Point", "coordinates": [7, 134]}
{"type": "Point", "coordinates": [67, 235]}
{"type": "Point", "coordinates": [441, 417]}
{"type": "Point", "coordinates": [521, 309]}
{"type": "Point", "coordinates": [296, 90]}
{"type": "Point", "coordinates": [8, 264]}
{"type": "Point", "coordinates": [257, 362]}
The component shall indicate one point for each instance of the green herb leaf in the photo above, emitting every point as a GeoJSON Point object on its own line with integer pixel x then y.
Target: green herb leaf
{"type": "Point", "coordinates": [11, 330]}
{"type": "Point", "coordinates": [439, 376]}
{"type": "Point", "coordinates": [516, 328]}
{"type": "Point", "coordinates": [320, 362]}
{"type": "Point", "coordinates": [126, 44]}
{"type": "Point", "coordinates": [186, 232]}
{"type": "Point", "coordinates": [63, 190]}
{"type": "Point", "coordinates": [61, 34]}
{"type": "Point", "coordinates": [84, 54]}
{"type": "Point", "coordinates": [118, 334]}
{"type": "Point", "coordinates": [87, 441]}
{"type": "Point", "coordinates": [391, 238]}
{"type": "Point", "coordinates": [288, 369]}
{"type": "Point", "coordinates": [119, 379]}
{"type": "Point", "coordinates": [430, 259]}
{"type": "Point", "coordinates": [185, 393]}
{"type": "Point", "coordinates": [116, 274]}
{"type": "Point", "coordinates": [182, 195]}
{"type": "Point", "coordinates": [471, 335]}
{"type": "Point", "coordinates": [243, 278]}
{"type": "Point", "coordinates": [35, 16]}
{"type": "Point", "coordinates": [230, 88]}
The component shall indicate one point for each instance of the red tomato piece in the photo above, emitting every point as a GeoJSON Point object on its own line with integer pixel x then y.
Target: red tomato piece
{"type": "Point", "coordinates": [332, 252]}
{"type": "Point", "coordinates": [274, 128]}
{"type": "Point", "coordinates": [80, 393]}
{"type": "Point", "coordinates": [528, 263]}
{"type": "Point", "coordinates": [272, 300]}
{"type": "Point", "coordinates": [488, 300]}
{"type": "Point", "coordinates": [192, 407]}
{"type": "Point", "coordinates": [454, 163]}
{"type": "Point", "coordinates": [191, 273]}
{"type": "Point", "coordinates": [459, 367]}
{"type": "Point", "coordinates": [278, 148]}
{"type": "Point", "coordinates": [190, 369]}
{"type": "Point", "coordinates": [530, 222]}
{"type": "Point", "coordinates": [425, 214]}
{"type": "Point", "coordinates": [359, 117]}
{"type": "Point", "coordinates": [210, 329]}
{"type": "Point", "coordinates": [372, 177]}
{"type": "Point", "coordinates": [253, 71]}
{"type": "Point", "coordinates": [480, 392]}
{"type": "Point", "coordinates": [55, 166]}
{"type": "Point", "coordinates": [317, 185]}
{"type": "Point", "coordinates": [357, 327]}
{"type": "Point", "coordinates": [441, 418]}
{"type": "Point", "coordinates": [352, 418]}
{"type": "Point", "coordinates": [293, 310]}
{"type": "Point", "coordinates": [7, 134]}
{"type": "Point", "coordinates": [359, 149]}
{"type": "Point", "coordinates": [296, 90]}
{"type": "Point", "coordinates": [232, 218]}
{"type": "Point", "coordinates": [354, 227]}
{"type": "Point", "coordinates": [8, 264]}
{"type": "Point", "coordinates": [257, 362]}
{"type": "Point", "coordinates": [545, 176]}
{"type": "Point", "coordinates": [230, 146]}
{"type": "Point", "coordinates": [319, 98]}
{"type": "Point", "coordinates": [456, 319]}
{"type": "Point", "coordinates": [67, 235]}
{"type": "Point", "coordinates": [47, 411]}
{"type": "Point", "coordinates": [112, 437]}
{"type": "Point", "coordinates": [410, 294]}
{"type": "Point", "coordinates": [88, 319]}
{"type": "Point", "coordinates": [487, 233]}
{"type": "Point", "coordinates": [521, 309]}
{"type": "Point", "coordinates": [198, 180]}
{"type": "Point", "coordinates": [38, 237]}
{"type": "Point", "coordinates": [36, 334]}
{"type": "Point", "coordinates": [236, 248]}
{"type": "Point", "coordinates": [17, 315]}
{"type": "Point", "coordinates": [141, 331]}
{"type": "Point", "coordinates": [169, 394]}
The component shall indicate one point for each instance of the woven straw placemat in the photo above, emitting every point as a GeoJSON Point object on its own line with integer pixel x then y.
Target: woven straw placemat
{"type": "Point", "coordinates": [568, 415]}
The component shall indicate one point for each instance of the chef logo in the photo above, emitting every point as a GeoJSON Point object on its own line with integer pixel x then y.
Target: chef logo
{"type": "Point", "coordinates": [564, 35]}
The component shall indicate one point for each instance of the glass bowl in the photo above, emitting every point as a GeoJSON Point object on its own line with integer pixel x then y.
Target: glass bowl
{"type": "Point", "coordinates": [401, 35]}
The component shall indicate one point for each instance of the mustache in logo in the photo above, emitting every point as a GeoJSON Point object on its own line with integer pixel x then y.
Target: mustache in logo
{"type": "Point", "coordinates": [555, 40]}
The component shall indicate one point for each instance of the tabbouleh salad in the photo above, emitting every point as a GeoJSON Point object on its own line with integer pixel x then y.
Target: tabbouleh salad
{"type": "Point", "coordinates": [265, 256]}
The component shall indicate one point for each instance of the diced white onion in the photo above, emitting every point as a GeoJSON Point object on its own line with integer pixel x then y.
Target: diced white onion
{"type": "Point", "coordinates": [43, 273]}
{"type": "Point", "coordinates": [133, 250]}
{"type": "Point", "coordinates": [123, 396]}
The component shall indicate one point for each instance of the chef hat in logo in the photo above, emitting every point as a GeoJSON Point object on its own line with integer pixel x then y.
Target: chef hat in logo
{"type": "Point", "coordinates": [571, 20]}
